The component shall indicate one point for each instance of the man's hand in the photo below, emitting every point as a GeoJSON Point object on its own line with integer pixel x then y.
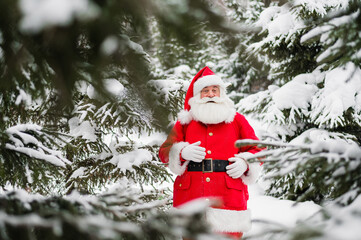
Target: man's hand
{"type": "Point", "coordinates": [237, 168]}
{"type": "Point", "coordinates": [194, 152]}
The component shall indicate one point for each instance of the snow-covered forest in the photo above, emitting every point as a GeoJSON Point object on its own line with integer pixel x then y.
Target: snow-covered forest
{"type": "Point", "coordinates": [89, 90]}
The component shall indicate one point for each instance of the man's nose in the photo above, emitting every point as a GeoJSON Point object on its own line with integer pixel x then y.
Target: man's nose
{"type": "Point", "coordinates": [211, 94]}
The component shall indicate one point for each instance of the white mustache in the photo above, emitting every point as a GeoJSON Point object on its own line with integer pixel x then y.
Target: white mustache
{"type": "Point", "coordinates": [210, 100]}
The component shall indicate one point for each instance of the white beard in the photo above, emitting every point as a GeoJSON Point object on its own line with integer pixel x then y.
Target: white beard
{"type": "Point", "coordinates": [212, 110]}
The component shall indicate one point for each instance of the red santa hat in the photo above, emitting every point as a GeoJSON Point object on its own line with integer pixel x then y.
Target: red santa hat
{"type": "Point", "coordinates": [203, 78]}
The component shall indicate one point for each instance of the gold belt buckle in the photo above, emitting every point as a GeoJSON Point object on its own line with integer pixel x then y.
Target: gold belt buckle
{"type": "Point", "coordinates": [211, 165]}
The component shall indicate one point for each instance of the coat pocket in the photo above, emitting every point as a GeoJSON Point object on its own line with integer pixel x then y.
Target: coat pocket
{"type": "Point", "coordinates": [181, 192]}
{"type": "Point", "coordinates": [234, 183]}
{"type": "Point", "coordinates": [236, 195]}
{"type": "Point", "coordinates": [182, 182]}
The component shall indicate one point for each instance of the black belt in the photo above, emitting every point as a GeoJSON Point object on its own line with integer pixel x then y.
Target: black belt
{"type": "Point", "coordinates": [208, 165]}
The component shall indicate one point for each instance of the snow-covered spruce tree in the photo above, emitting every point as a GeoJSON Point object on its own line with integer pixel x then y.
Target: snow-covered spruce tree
{"type": "Point", "coordinates": [314, 102]}
{"type": "Point", "coordinates": [74, 85]}
{"type": "Point", "coordinates": [336, 173]}
{"type": "Point", "coordinates": [249, 71]}
{"type": "Point", "coordinates": [219, 50]}
{"type": "Point", "coordinates": [224, 52]}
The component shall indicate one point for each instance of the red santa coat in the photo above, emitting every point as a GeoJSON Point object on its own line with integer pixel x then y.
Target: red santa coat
{"type": "Point", "coordinates": [219, 142]}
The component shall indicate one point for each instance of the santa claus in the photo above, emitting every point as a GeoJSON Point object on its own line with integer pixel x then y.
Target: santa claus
{"type": "Point", "coordinates": [201, 150]}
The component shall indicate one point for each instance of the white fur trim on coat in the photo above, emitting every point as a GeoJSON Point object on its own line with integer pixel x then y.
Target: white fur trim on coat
{"type": "Point", "coordinates": [244, 155]}
{"type": "Point", "coordinates": [254, 170]}
{"type": "Point", "coordinates": [175, 164]}
{"type": "Point", "coordinates": [222, 220]}
{"type": "Point", "coordinates": [206, 81]}
{"type": "Point", "coordinates": [184, 117]}
{"type": "Point", "coordinates": [252, 174]}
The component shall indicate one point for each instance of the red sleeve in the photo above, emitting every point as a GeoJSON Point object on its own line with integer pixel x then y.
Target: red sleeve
{"type": "Point", "coordinates": [246, 132]}
{"type": "Point", "coordinates": [176, 135]}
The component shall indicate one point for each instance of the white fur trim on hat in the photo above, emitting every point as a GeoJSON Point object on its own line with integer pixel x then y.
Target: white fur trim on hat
{"type": "Point", "coordinates": [222, 220]}
{"type": "Point", "coordinates": [206, 81]}
{"type": "Point", "coordinates": [175, 164]}
{"type": "Point", "coordinates": [184, 117]}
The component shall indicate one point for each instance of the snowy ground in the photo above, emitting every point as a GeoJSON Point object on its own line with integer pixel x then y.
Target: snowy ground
{"type": "Point", "coordinates": [266, 209]}
{"type": "Point", "coordinates": [280, 212]}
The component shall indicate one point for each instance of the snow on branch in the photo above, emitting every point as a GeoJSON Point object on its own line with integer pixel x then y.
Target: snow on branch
{"type": "Point", "coordinates": [139, 164]}
{"type": "Point", "coordinates": [39, 15]}
{"type": "Point", "coordinates": [323, 148]}
{"type": "Point", "coordinates": [26, 139]}
{"type": "Point", "coordinates": [122, 212]}
{"type": "Point", "coordinates": [127, 160]}
{"type": "Point", "coordinates": [323, 30]}
{"type": "Point", "coordinates": [316, 164]}
{"type": "Point", "coordinates": [339, 97]}
{"type": "Point", "coordinates": [301, 101]}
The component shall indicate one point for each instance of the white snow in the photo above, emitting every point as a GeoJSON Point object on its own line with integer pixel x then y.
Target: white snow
{"type": "Point", "coordinates": [90, 91]}
{"type": "Point", "coordinates": [111, 85]}
{"type": "Point", "coordinates": [144, 138]}
{"type": "Point", "coordinates": [20, 137]}
{"type": "Point", "coordinates": [302, 97]}
{"type": "Point", "coordinates": [136, 47]}
{"type": "Point", "coordinates": [168, 86]}
{"type": "Point", "coordinates": [110, 45]}
{"type": "Point", "coordinates": [114, 87]}
{"type": "Point", "coordinates": [41, 14]}
{"type": "Point", "coordinates": [28, 174]}
{"type": "Point", "coordinates": [315, 32]}
{"type": "Point", "coordinates": [269, 213]}
{"type": "Point", "coordinates": [320, 6]}
{"type": "Point", "coordinates": [281, 24]}
{"type": "Point", "coordinates": [81, 87]}
{"type": "Point", "coordinates": [23, 97]}
{"type": "Point", "coordinates": [277, 21]}
{"type": "Point", "coordinates": [78, 173]}
{"type": "Point", "coordinates": [82, 129]}
{"type": "Point", "coordinates": [127, 160]}
{"type": "Point", "coordinates": [323, 30]}
{"type": "Point", "coordinates": [269, 209]}
{"type": "Point", "coordinates": [267, 15]}
{"type": "Point", "coordinates": [181, 69]}
{"type": "Point", "coordinates": [346, 221]}
{"type": "Point", "coordinates": [294, 96]}
{"type": "Point", "coordinates": [37, 154]}
{"type": "Point", "coordinates": [317, 135]}
{"type": "Point", "coordinates": [328, 52]}
{"type": "Point", "coordinates": [296, 93]}
{"type": "Point", "coordinates": [342, 88]}
{"type": "Point", "coordinates": [1, 54]}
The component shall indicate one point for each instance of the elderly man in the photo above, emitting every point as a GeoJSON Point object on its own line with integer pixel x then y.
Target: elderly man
{"type": "Point", "coordinates": [201, 150]}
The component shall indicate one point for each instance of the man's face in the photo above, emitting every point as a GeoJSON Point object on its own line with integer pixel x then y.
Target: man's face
{"type": "Point", "coordinates": [209, 107]}
{"type": "Point", "coordinates": [210, 91]}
